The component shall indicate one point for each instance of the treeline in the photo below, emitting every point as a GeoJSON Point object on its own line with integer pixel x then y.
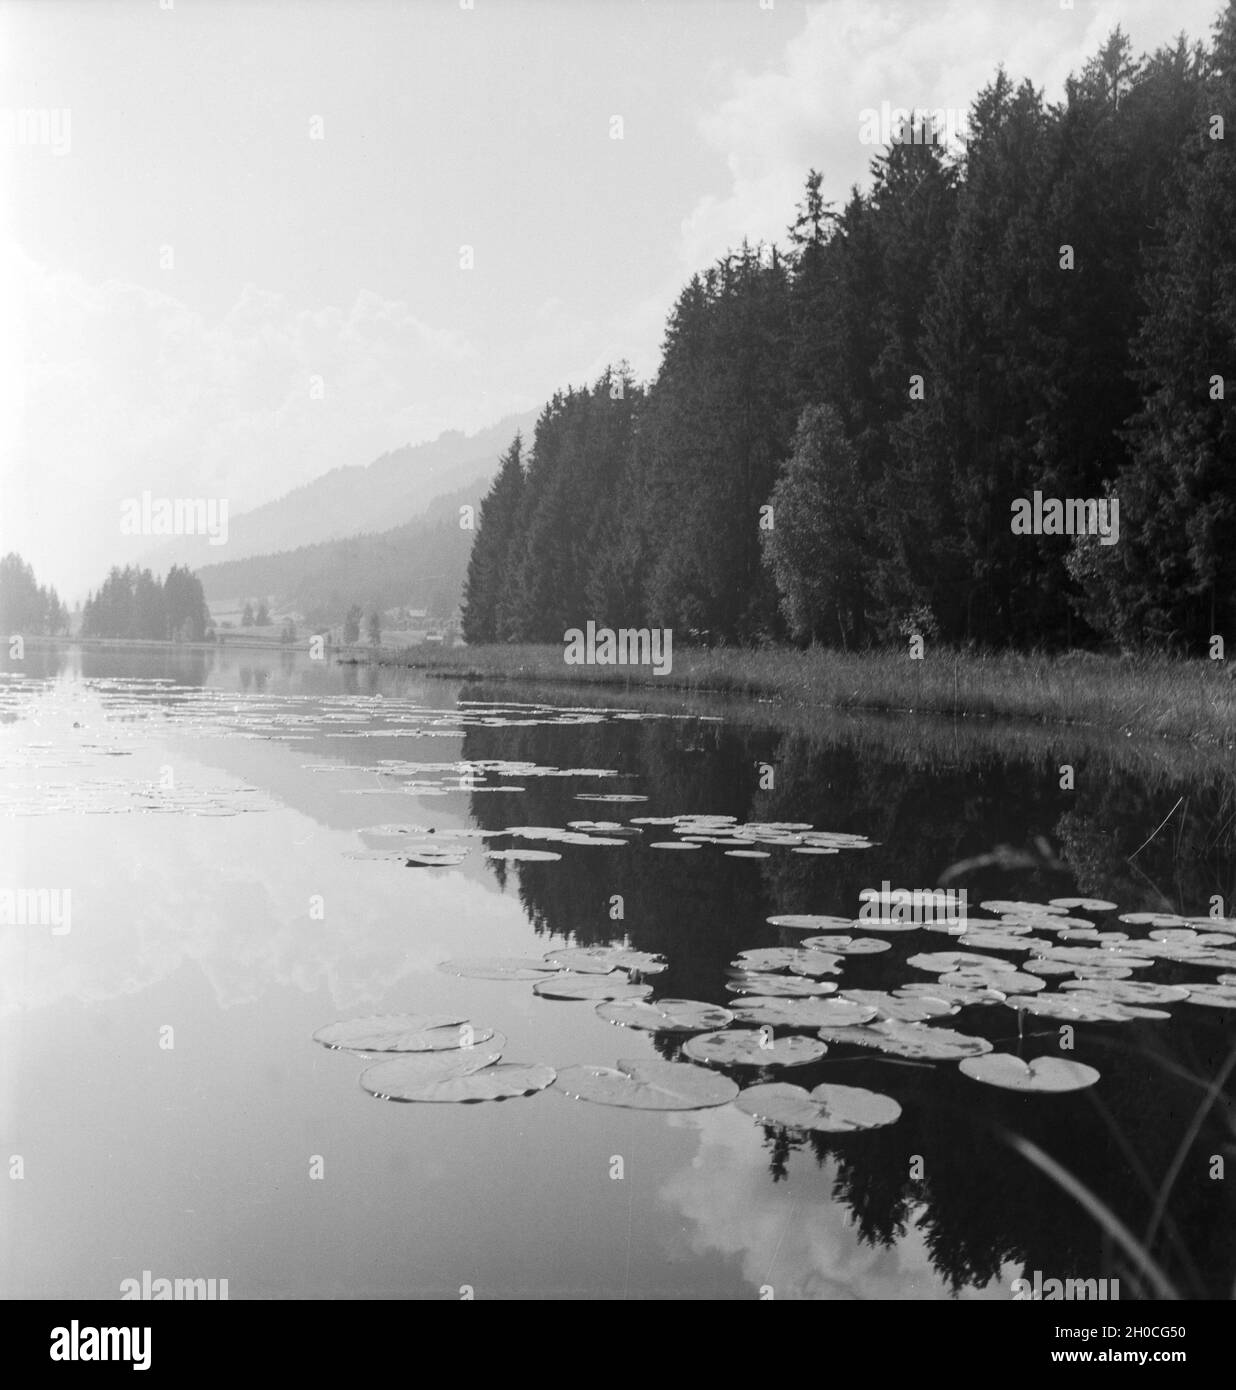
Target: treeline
{"type": "Point", "coordinates": [839, 428]}
{"type": "Point", "coordinates": [133, 603]}
{"type": "Point", "coordinates": [25, 607]}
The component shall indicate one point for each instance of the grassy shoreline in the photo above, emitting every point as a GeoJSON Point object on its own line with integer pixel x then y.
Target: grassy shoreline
{"type": "Point", "coordinates": [1147, 696]}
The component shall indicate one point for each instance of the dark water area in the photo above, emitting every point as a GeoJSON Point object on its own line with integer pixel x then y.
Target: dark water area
{"type": "Point", "coordinates": [239, 834]}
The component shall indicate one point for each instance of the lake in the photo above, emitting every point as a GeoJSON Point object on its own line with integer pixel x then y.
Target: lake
{"type": "Point", "coordinates": [259, 845]}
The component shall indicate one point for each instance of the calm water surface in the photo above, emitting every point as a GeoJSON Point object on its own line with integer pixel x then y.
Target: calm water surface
{"type": "Point", "coordinates": [223, 824]}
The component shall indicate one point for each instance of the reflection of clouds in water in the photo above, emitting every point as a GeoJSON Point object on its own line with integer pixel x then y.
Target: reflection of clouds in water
{"type": "Point", "coordinates": [156, 887]}
{"type": "Point", "coordinates": [231, 894]}
{"type": "Point", "coordinates": [792, 1235]}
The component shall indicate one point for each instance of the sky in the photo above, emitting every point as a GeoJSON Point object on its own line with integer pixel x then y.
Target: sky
{"type": "Point", "coordinates": [232, 234]}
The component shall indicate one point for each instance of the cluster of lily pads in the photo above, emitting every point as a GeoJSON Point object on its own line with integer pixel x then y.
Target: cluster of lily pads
{"type": "Point", "coordinates": [420, 846]}
{"type": "Point", "coordinates": [788, 1011]}
{"type": "Point", "coordinates": [751, 839]}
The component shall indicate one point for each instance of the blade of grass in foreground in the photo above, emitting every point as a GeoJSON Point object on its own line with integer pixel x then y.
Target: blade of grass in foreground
{"type": "Point", "coordinates": [1102, 1215]}
{"type": "Point", "coordinates": [1213, 1091]}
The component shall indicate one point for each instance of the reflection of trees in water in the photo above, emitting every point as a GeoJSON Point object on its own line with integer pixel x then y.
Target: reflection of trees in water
{"type": "Point", "coordinates": [254, 679]}
{"type": "Point", "coordinates": [186, 665]}
{"type": "Point", "coordinates": [1191, 859]}
{"type": "Point", "coordinates": [979, 1205]}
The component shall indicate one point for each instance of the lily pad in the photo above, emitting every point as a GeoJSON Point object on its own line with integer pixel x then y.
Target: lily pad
{"type": "Point", "coordinates": [1210, 955]}
{"type": "Point", "coordinates": [957, 994]}
{"type": "Point", "coordinates": [1001, 981]}
{"type": "Point", "coordinates": [666, 1015]}
{"type": "Point", "coordinates": [590, 987]}
{"type": "Point", "coordinates": [1093, 955]}
{"type": "Point", "coordinates": [828, 1108]}
{"type": "Point", "coordinates": [800, 961]}
{"type": "Point", "coordinates": [394, 1077]}
{"type": "Point", "coordinates": [404, 1079]}
{"type": "Point", "coordinates": [801, 1013]}
{"type": "Point", "coordinates": [798, 921]}
{"type": "Point", "coordinates": [997, 941]}
{"type": "Point", "coordinates": [917, 1040]}
{"type": "Point", "coordinates": [1082, 904]}
{"type": "Point", "coordinates": [1215, 996]}
{"type": "Point", "coordinates": [753, 1047]}
{"type": "Point", "coordinates": [1000, 906]}
{"type": "Point", "coordinates": [1080, 1007]}
{"type": "Point", "coordinates": [1057, 924]}
{"type": "Point", "coordinates": [905, 1010]}
{"type": "Point", "coordinates": [1097, 972]}
{"type": "Point", "coordinates": [498, 967]}
{"type": "Point", "coordinates": [1053, 967]}
{"type": "Point", "coordinates": [600, 960]}
{"type": "Point", "coordinates": [778, 986]}
{"type": "Point", "coordinates": [523, 856]}
{"type": "Point", "coordinates": [941, 962]}
{"type": "Point", "coordinates": [648, 1085]}
{"type": "Point", "coordinates": [614, 797]}
{"type": "Point", "coordinates": [848, 945]}
{"type": "Point", "coordinates": [1130, 991]}
{"type": "Point", "coordinates": [1042, 1074]}
{"type": "Point", "coordinates": [403, 1033]}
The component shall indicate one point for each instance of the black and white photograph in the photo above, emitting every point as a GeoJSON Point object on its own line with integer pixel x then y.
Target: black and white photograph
{"type": "Point", "coordinates": [618, 664]}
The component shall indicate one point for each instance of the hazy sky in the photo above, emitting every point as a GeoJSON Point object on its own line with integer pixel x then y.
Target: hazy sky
{"type": "Point", "coordinates": [200, 299]}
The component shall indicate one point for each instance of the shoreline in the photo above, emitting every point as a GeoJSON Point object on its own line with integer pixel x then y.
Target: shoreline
{"type": "Point", "coordinates": [1189, 701]}
{"type": "Point", "coordinates": [1154, 697]}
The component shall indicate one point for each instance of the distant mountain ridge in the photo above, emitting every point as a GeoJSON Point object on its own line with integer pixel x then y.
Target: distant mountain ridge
{"type": "Point", "coordinates": [354, 499]}
{"type": "Point", "coordinates": [421, 564]}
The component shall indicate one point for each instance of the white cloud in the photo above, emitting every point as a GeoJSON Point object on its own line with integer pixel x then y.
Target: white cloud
{"type": "Point", "coordinates": [855, 54]}
{"type": "Point", "coordinates": [794, 1237]}
{"type": "Point", "coordinates": [126, 388]}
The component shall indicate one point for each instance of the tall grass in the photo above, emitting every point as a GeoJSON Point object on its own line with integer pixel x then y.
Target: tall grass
{"type": "Point", "coordinates": [1153, 696]}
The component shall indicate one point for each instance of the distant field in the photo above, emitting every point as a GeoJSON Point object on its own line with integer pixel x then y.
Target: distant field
{"type": "Point", "coordinates": [1151, 696]}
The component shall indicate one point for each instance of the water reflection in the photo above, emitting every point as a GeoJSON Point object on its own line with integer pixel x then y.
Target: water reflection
{"type": "Point", "coordinates": [327, 760]}
{"type": "Point", "coordinates": [945, 1172]}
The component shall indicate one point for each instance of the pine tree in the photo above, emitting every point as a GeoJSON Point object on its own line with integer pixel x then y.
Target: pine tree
{"type": "Point", "coordinates": [490, 563]}
{"type": "Point", "coordinates": [817, 545]}
{"type": "Point", "coordinates": [1171, 581]}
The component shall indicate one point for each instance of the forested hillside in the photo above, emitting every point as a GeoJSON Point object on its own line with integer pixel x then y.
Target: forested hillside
{"type": "Point", "coordinates": [420, 564]}
{"type": "Point", "coordinates": [357, 499]}
{"type": "Point", "coordinates": [840, 427]}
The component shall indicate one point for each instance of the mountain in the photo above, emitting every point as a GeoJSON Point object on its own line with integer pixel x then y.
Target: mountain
{"type": "Point", "coordinates": [420, 564]}
{"type": "Point", "coordinates": [359, 498]}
